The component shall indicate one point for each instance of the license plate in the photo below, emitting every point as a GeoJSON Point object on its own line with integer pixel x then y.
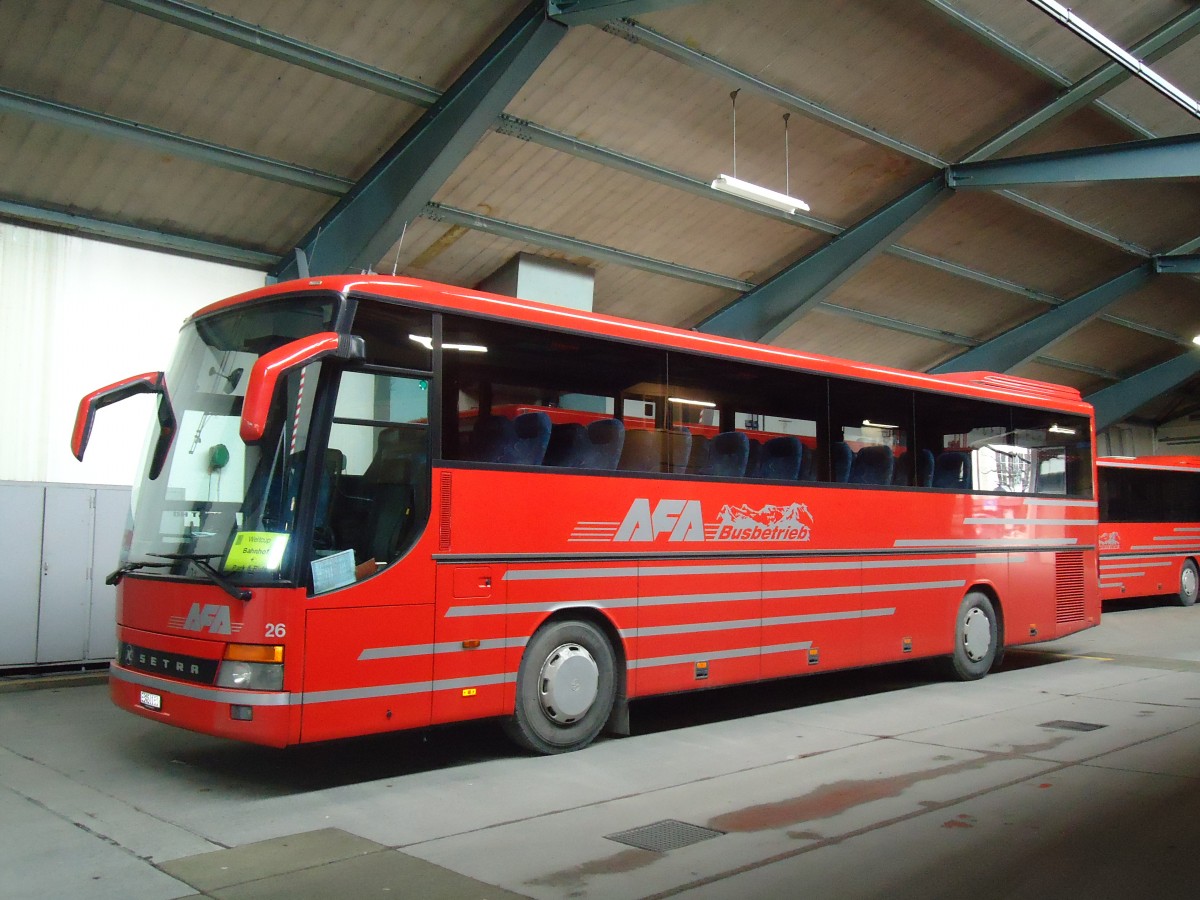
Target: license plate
{"type": "Point", "coordinates": [149, 700]}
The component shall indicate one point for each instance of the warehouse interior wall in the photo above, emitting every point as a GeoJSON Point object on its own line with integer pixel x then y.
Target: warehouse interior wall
{"type": "Point", "coordinates": [75, 315]}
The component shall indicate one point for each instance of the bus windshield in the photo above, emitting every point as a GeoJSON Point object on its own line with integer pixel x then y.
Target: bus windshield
{"type": "Point", "coordinates": [218, 499]}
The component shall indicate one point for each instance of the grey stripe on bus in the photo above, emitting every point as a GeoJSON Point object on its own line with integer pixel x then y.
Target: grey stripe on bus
{"type": "Point", "coordinates": [200, 692]}
{"type": "Point", "coordinates": [751, 568]}
{"type": "Point", "coordinates": [722, 597]}
{"type": "Point", "coordinates": [447, 647]}
{"type": "Point", "coordinates": [1134, 561]}
{"type": "Point", "coordinates": [412, 687]}
{"type": "Point", "coordinates": [706, 656]}
{"type": "Point", "coordinates": [1090, 504]}
{"type": "Point", "coordinates": [776, 621]}
{"type": "Point", "coordinates": [1175, 551]}
{"type": "Point", "coordinates": [992, 520]}
{"type": "Point", "coordinates": [1014, 543]}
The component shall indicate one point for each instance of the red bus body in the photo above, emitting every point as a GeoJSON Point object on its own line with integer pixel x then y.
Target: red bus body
{"type": "Point", "coordinates": [695, 583]}
{"type": "Point", "coordinates": [1144, 552]}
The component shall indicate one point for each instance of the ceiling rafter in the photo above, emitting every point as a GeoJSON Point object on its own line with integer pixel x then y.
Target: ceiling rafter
{"type": "Point", "coordinates": [296, 52]}
{"type": "Point", "coordinates": [595, 12]}
{"type": "Point", "coordinates": [188, 245]}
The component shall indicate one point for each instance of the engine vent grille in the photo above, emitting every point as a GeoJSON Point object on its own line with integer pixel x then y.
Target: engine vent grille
{"type": "Point", "coordinates": [444, 518]}
{"type": "Point", "coordinates": [1069, 592]}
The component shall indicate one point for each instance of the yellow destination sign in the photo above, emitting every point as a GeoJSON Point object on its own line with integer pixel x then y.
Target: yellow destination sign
{"type": "Point", "coordinates": [256, 551]}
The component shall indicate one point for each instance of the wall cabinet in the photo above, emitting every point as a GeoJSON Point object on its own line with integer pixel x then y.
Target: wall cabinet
{"type": "Point", "coordinates": [57, 544]}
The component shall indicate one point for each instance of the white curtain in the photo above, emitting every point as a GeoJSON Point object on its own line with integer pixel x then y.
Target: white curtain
{"type": "Point", "coordinates": [75, 315]}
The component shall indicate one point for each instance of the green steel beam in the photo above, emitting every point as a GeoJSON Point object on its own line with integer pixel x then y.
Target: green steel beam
{"type": "Point", "coordinates": [1119, 401]}
{"type": "Point", "coordinates": [1177, 264]}
{"type": "Point", "coordinates": [770, 308]}
{"type": "Point", "coordinates": [596, 12]}
{"type": "Point", "coordinates": [57, 220]}
{"type": "Point", "coordinates": [170, 142]}
{"type": "Point", "coordinates": [1014, 347]}
{"type": "Point", "coordinates": [361, 227]}
{"type": "Point", "coordinates": [1158, 158]}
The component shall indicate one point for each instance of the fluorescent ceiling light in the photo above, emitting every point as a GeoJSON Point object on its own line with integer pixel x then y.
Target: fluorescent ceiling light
{"type": "Point", "coordinates": [427, 343]}
{"type": "Point", "coordinates": [869, 424]}
{"type": "Point", "coordinates": [747, 191]}
{"type": "Point", "coordinates": [1060, 429]}
{"type": "Point", "coordinates": [1196, 339]}
{"type": "Point", "coordinates": [1132, 63]}
{"type": "Point", "coordinates": [687, 402]}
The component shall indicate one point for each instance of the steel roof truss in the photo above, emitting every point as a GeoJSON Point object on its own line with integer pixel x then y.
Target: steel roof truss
{"type": "Point", "coordinates": [765, 312]}
{"type": "Point", "coordinates": [1121, 400]}
{"type": "Point", "coordinates": [1169, 157]}
{"type": "Point", "coordinates": [370, 218]}
{"type": "Point", "coordinates": [1011, 349]}
{"type": "Point", "coordinates": [596, 12]}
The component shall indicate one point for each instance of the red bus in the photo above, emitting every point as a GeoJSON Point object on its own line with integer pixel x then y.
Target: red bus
{"type": "Point", "coordinates": [1149, 527]}
{"type": "Point", "coordinates": [377, 503]}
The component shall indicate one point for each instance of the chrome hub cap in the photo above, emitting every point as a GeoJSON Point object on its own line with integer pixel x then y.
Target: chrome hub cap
{"type": "Point", "coordinates": [977, 634]}
{"type": "Point", "coordinates": [570, 680]}
{"type": "Point", "coordinates": [1187, 582]}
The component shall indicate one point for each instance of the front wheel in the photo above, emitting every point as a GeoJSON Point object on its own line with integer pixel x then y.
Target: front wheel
{"type": "Point", "coordinates": [976, 638]}
{"type": "Point", "coordinates": [1189, 584]}
{"type": "Point", "coordinates": [565, 688]}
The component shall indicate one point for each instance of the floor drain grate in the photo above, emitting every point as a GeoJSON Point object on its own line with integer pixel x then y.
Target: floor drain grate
{"type": "Point", "coordinates": [660, 837]}
{"type": "Point", "coordinates": [1064, 725]}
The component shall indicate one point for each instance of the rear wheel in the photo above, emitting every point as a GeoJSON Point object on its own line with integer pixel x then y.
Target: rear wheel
{"type": "Point", "coordinates": [565, 688]}
{"type": "Point", "coordinates": [976, 638]}
{"type": "Point", "coordinates": [1189, 584]}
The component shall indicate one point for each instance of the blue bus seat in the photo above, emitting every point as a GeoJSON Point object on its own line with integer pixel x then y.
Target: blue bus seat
{"type": "Point", "coordinates": [728, 454]}
{"type": "Point", "coordinates": [780, 458]}
{"type": "Point", "coordinates": [873, 464]}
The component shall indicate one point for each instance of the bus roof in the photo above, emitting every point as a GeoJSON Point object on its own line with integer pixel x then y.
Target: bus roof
{"type": "Point", "coordinates": [451, 298]}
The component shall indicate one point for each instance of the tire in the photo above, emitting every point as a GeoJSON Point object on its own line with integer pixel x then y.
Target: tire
{"type": "Point", "coordinates": [566, 686]}
{"type": "Point", "coordinates": [1189, 583]}
{"type": "Point", "coordinates": [976, 638]}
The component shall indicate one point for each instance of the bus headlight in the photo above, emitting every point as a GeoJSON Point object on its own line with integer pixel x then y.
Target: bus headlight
{"type": "Point", "coordinates": [251, 667]}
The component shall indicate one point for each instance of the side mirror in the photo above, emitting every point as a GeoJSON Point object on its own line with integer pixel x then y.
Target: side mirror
{"type": "Point", "coordinates": [148, 383]}
{"type": "Point", "coordinates": [272, 366]}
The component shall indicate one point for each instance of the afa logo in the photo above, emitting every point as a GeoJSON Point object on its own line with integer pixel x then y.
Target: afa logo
{"type": "Point", "coordinates": [211, 617]}
{"type": "Point", "coordinates": [1110, 540]}
{"type": "Point", "coordinates": [680, 521]}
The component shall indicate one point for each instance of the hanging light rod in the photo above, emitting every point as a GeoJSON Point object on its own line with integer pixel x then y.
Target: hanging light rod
{"type": "Point", "coordinates": [727, 184]}
{"type": "Point", "coordinates": [1105, 45]}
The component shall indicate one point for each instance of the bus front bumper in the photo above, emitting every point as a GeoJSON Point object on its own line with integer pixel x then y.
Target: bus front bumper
{"type": "Point", "coordinates": [258, 717]}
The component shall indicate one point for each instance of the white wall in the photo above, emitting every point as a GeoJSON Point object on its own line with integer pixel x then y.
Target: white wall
{"type": "Point", "coordinates": [75, 315]}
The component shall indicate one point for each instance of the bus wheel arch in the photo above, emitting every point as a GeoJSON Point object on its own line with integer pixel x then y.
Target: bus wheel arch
{"type": "Point", "coordinates": [978, 635]}
{"type": "Point", "coordinates": [1189, 582]}
{"type": "Point", "coordinates": [568, 683]}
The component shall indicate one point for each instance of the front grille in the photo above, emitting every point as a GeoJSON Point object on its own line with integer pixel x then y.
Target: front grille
{"type": "Point", "coordinates": [170, 665]}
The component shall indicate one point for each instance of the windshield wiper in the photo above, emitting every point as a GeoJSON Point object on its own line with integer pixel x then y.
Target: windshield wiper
{"type": "Point", "coordinates": [115, 577]}
{"type": "Point", "coordinates": [200, 560]}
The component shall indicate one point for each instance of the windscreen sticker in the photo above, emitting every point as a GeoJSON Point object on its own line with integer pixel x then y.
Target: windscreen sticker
{"type": "Point", "coordinates": [256, 551]}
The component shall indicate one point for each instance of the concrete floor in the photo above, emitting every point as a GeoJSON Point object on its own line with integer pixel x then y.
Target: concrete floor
{"type": "Point", "coordinates": [885, 783]}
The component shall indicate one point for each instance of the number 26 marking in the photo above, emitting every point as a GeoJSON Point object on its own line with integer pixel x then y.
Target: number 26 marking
{"type": "Point", "coordinates": [276, 630]}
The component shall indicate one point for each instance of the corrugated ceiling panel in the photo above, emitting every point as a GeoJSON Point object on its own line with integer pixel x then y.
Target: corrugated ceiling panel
{"type": "Point", "coordinates": [822, 332]}
{"type": "Point", "coordinates": [994, 235]}
{"type": "Point", "coordinates": [896, 64]}
{"type": "Point", "coordinates": [603, 89]}
{"type": "Point", "coordinates": [529, 184]}
{"type": "Point", "coordinates": [1107, 346]}
{"type": "Point", "coordinates": [427, 42]}
{"type": "Point", "coordinates": [1081, 381]}
{"type": "Point", "coordinates": [109, 60]}
{"type": "Point", "coordinates": [894, 287]}
{"type": "Point", "coordinates": [1170, 302]}
{"type": "Point", "coordinates": [45, 165]}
